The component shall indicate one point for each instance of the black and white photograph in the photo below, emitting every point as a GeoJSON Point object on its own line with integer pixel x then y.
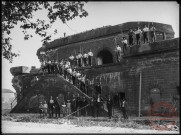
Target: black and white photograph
{"type": "Point", "coordinates": [90, 67]}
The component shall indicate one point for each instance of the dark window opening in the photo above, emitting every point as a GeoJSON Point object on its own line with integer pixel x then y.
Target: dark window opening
{"type": "Point", "coordinates": [104, 57]}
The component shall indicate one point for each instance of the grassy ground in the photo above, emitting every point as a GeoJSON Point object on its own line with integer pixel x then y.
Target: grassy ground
{"type": "Point", "coordinates": [134, 123]}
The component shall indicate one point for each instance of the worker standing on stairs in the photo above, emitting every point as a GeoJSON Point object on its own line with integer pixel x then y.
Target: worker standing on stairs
{"type": "Point", "coordinates": [69, 74]}
{"type": "Point", "coordinates": [79, 59]}
{"type": "Point", "coordinates": [65, 70]}
{"type": "Point", "coordinates": [71, 59]}
{"type": "Point", "coordinates": [78, 79]}
{"type": "Point", "coordinates": [56, 66]}
{"type": "Point", "coordinates": [73, 76]}
{"type": "Point", "coordinates": [52, 66]}
{"type": "Point", "coordinates": [82, 80]}
{"type": "Point", "coordinates": [49, 67]}
{"type": "Point", "coordinates": [109, 106]}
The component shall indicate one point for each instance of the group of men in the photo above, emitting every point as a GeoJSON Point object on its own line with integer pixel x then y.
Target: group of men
{"type": "Point", "coordinates": [145, 33]}
{"type": "Point", "coordinates": [81, 59]}
{"type": "Point", "coordinates": [66, 68]}
{"type": "Point", "coordinates": [73, 106]}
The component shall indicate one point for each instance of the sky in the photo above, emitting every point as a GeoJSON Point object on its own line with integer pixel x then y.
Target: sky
{"type": "Point", "coordinates": [100, 14]}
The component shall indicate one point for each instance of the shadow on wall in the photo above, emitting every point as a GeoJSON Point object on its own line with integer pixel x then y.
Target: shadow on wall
{"type": "Point", "coordinates": [104, 57]}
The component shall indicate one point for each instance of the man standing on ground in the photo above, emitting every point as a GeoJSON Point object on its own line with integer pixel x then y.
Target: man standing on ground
{"type": "Point", "coordinates": [71, 59]}
{"type": "Point", "coordinates": [109, 106]}
{"type": "Point", "coordinates": [124, 108]}
{"type": "Point", "coordinates": [57, 108]}
{"type": "Point", "coordinates": [92, 107]}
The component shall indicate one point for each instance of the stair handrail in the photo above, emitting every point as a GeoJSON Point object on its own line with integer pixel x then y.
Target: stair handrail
{"type": "Point", "coordinates": [23, 97]}
{"type": "Point", "coordinates": [15, 99]}
{"type": "Point", "coordinates": [76, 111]}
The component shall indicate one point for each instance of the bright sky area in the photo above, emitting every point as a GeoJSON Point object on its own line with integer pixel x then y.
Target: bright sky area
{"type": "Point", "coordinates": [100, 14]}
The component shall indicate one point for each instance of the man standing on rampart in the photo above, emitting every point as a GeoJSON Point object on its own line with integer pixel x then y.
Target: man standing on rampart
{"type": "Point", "coordinates": [85, 57]}
{"type": "Point", "coordinates": [125, 44]}
{"type": "Point", "coordinates": [79, 59]}
{"type": "Point", "coordinates": [145, 34]}
{"type": "Point", "coordinates": [130, 34]}
{"type": "Point", "coordinates": [90, 56]}
{"type": "Point", "coordinates": [138, 35]}
{"type": "Point", "coordinates": [152, 32]}
{"type": "Point", "coordinates": [118, 53]}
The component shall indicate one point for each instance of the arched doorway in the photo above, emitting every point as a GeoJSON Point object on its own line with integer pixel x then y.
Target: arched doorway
{"type": "Point", "coordinates": [104, 57]}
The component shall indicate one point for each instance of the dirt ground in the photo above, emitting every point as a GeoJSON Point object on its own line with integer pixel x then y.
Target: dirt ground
{"type": "Point", "coordinates": [23, 127]}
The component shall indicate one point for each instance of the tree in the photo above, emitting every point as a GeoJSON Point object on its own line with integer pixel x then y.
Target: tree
{"type": "Point", "coordinates": [15, 12]}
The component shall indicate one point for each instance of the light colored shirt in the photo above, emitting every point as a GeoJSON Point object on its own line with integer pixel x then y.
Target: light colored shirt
{"type": "Point", "coordinates": [78, 74]}
{"type": "Point", "coordinates": [45, 105]}
{"type": "Point", "coordinates": [68, 105]}
{"type": "Point", "coordinates": [152, 28]}
{"type": "Point", "coordinates": [69, 70]}
{"type": "Point", "coordinates": [51, 101]}
{"type": "Point", "coordinates": [71, 57]}
{"type": "Point", "coordinates": [74, 73]}
{"type": "Point", "coordinates": [79, 55]}
{"type": "Point", "coordinates": [124, 41]}
{"type": "Point", "coordinates": [118, 48]}
{"type": "Point", "coordinates": [138, 31]}
{"type": "Point", "coordinates": [98, 99]}
{"type": "Point", "coordinates": [90, 54]}
{"type": "Point", "coordinates": [85, 55]}
{"type": "Point", "coordinates": [66, 66]}
{"type": "Point", "coordinates": [146, 29]}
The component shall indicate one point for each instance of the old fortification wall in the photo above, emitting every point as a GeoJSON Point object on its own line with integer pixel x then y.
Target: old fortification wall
{"type": "Point", "coordinates": [157, 63]}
